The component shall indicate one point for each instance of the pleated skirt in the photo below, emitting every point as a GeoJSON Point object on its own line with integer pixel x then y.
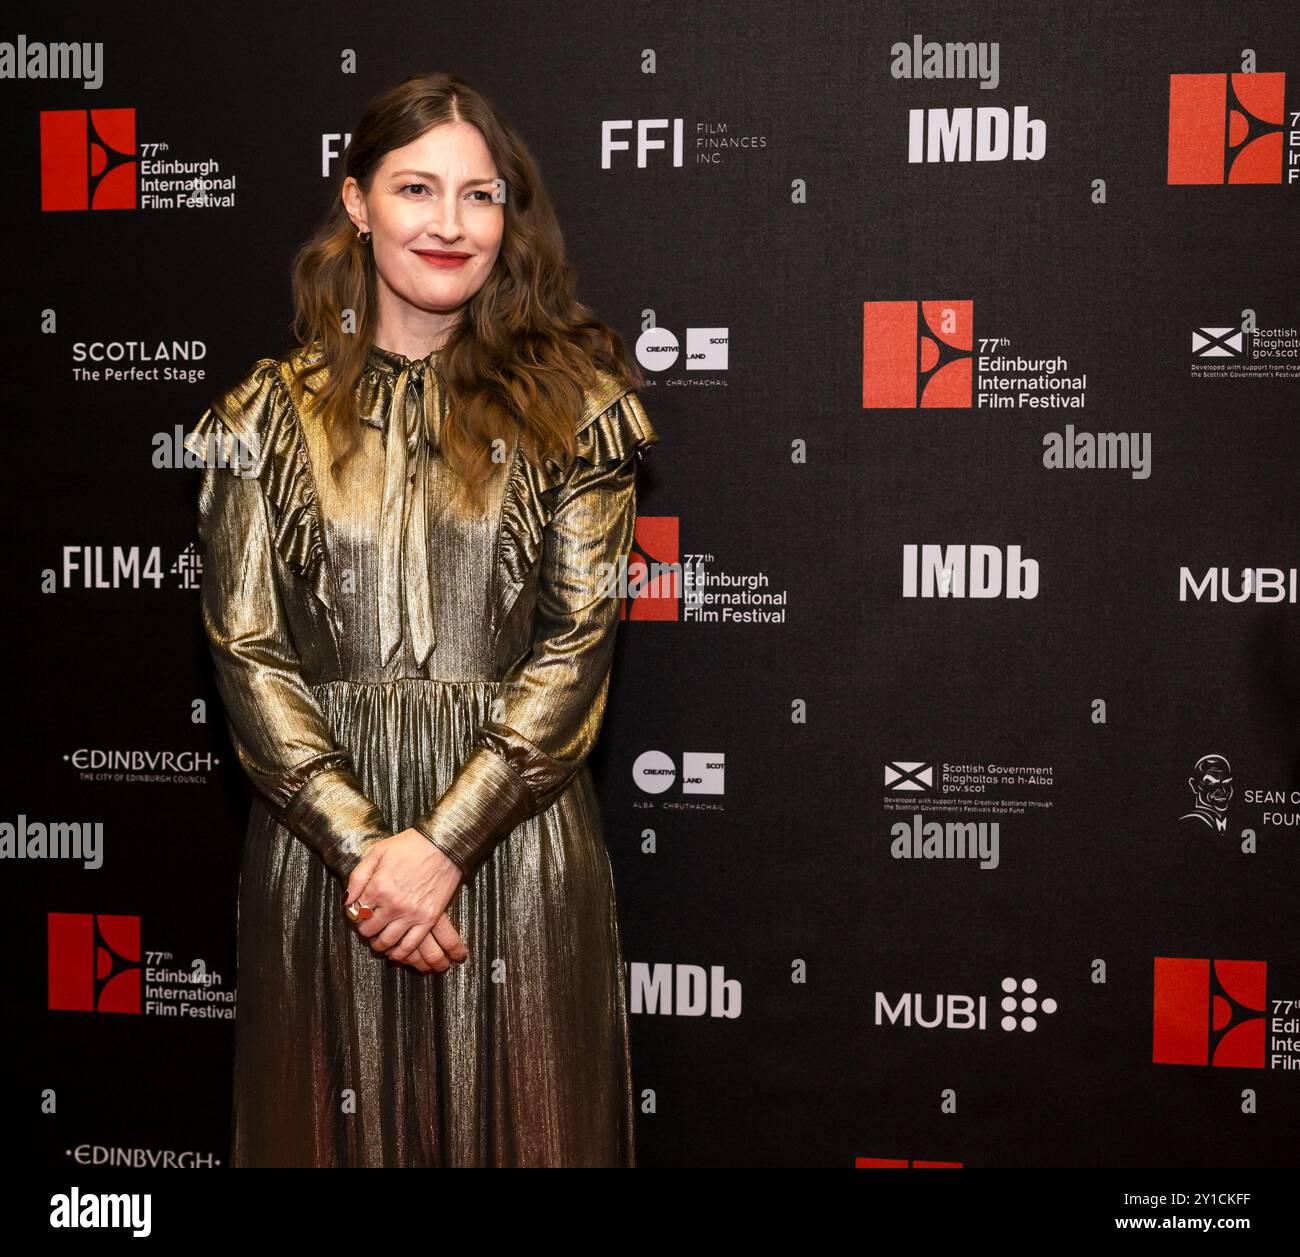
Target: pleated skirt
{"type": "Point", "coordinates": [519, 1057]}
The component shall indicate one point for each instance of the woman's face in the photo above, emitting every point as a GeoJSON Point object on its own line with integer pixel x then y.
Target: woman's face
{"type": "Point", "coordinates": [437, 229]}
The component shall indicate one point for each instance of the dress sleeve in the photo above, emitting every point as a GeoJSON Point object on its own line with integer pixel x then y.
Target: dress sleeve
{"type": "Point", "coordinates": [278, 730]}
{"type": "Point", "coordinates": [553, 700]}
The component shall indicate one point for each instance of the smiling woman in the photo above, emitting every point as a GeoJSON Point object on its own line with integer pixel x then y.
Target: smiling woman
{"type": "Point", "coordinates": [404, 591]}
{"type": "Point", "coordinates": [432, 218]}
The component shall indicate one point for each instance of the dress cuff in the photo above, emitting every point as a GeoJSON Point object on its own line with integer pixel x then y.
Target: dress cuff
{"type": "Point", "coordinates": [334, 816]}
{"type": "Point", "coordinates": [484, 802]}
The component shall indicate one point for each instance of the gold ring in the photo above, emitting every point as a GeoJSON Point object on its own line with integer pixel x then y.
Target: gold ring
{"type": "Point", "coordinates": [359, 912]}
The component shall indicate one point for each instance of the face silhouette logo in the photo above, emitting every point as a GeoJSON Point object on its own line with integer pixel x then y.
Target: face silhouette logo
{"type": "Point", "coordinates": [1211, 783]}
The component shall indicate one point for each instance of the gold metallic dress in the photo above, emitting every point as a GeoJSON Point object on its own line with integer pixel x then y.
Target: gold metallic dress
{"type": "Point", "coordinates": [388, 659]}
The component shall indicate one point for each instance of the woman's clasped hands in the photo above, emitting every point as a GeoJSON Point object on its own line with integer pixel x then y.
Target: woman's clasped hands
{"type": "Point", "coordinates": [407, 883]}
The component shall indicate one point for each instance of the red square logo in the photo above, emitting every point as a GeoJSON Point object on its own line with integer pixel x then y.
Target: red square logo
{"type": "Point", "coordinates": [88, 159]}
{"type": "Point", "coordinates": [1209, 1012]}
{"type": "Point", "coordinates": [1226, 128]}
{"type": "Point", "coordinates": [656, 542]}
{"type": "Point", "coordinates": [94, 962]}
{"type": "Point", "coordinates": [917, 353]}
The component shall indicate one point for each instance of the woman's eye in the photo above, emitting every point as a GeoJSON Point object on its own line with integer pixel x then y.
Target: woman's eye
{"type": "Point", "coordinates": [420, 188]}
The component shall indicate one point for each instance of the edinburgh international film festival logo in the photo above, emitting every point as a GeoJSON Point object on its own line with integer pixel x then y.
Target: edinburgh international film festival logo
{"type": "Point", "coordinates": [662, 583]}
{"type": "Point", "coordinates": [92, 159]}
{"type": "Point", "coordinates": [1217, 1013]}
{"type": "Point", "coordinates": [94, 962]}
{"type": "Point", "coordinates": [917, 354]}
{"type": "Point", "coordinates": [654, 570]}
{"type": "Point", "coordinates": [923, 354]}
{"type": "Point", "coordinates": [97, 964]}
{"type": "Point", "coordinates": [1211, 1012]}
{"type": "Point", "coordinates": [1232, 128]}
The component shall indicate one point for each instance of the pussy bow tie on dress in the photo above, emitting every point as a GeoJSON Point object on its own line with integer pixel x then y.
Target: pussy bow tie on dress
{"type": "Point", "coordinates": [405, 595]}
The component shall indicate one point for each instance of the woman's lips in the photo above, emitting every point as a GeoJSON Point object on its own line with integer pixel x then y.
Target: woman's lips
{"type": "Point", "coordinates": [445, 261]}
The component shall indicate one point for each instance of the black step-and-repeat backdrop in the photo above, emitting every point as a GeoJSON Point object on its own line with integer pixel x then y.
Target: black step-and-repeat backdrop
{"type": "Point", "coordinates": [951, 772]}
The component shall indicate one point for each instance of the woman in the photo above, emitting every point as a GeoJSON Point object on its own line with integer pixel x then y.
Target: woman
{"type": "Point", "coordinates": [405, 593]}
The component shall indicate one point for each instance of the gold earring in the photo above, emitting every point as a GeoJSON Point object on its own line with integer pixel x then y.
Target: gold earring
{"type": "Point", "coordinates": [363, 236]}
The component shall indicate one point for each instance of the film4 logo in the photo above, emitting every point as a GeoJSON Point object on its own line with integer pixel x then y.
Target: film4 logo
{"type": "Point", "coordinates": [94, 962]}
{"type": "Point", "coordinates": [1209, 1012]}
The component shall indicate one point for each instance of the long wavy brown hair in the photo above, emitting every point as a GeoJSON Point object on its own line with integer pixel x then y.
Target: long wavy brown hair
{"type": "Point", "coordinates": [524, 349]}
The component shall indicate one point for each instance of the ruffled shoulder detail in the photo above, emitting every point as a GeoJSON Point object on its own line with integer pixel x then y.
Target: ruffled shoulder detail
{"type": "Point", "coordinates": [256, 423]}
{"type": "Point", "coordinates": [614, 426]}
{"type": "Point", "coordinates": [233, 432]}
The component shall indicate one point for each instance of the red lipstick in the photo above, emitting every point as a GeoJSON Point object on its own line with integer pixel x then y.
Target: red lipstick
{"type": "Point", "coordinates": [442, 258]}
